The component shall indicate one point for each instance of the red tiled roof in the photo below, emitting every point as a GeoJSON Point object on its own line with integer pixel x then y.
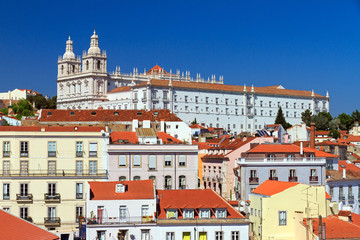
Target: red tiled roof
{"type": "Point", "coordinates": [197, 126]}
{"type": "Point", "coordinates": [130, 137]}
{"type": "Point", "coordinates": [193, 199]}
{"type": "Point", "coordinates": [156, 69]}
{"type": "Point", "coordinates": [234, 203]}
{"type": "Point", "coordinates": [142, 189]}
{"type": "Point", "coordinates": [336, 228]}
{"type": "Point", "coordinates": [50, 129]}
{"type": "Point", "coordinates": [321, 133]}
{"type": "Point", "coordinates": [348, 166]}
{"type": "Point", "coordinates": [327, 196]}
{"type": "Point", "coordinates": [319, 153]}
{"type": "Point", "coordinates": [344, 213]}
{"type": "Point", "coordinates": [168, 139]}
{"type": "Point", "coordinates": [305, 143]}
{"type": "Point", "coordinates": [202, 145]}
{"type": "Point", "coordinates": [328, 143]}
{"type": "Point", "coordinates": [120, 89]}
{"type": "Point", "coordinates": [349, 139]}
{"type": "Point", "coordinates": [275, 126]}
{"type": "Point", "coordinates": [97, 115]}
{"type": "Point", "coordinates": [14, 228]}
{"type": "Point", "coordinates": [278, 148]}
{"type": "Point", "coordinates": [270, 187]}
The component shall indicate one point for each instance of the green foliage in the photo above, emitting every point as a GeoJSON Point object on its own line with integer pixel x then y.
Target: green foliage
{"type": "Point", "coordinates": [280, 119]}
{"type": "Point", "coordinates": [346, 121]}
{"type": "Point", "coordinates": [334, 133]}
{"type": "Point", "coordinates": [5, 111]}
{"type": "Point", "coordinates": [5, 123]}
{"type": "Point", "coordinates": [306, 117]}
{"type": "Point", "coordinates": [334, 124]}
{"type": "Point", "coordinates": [42, 103]}
{"type": "Point", "coordinates": [356, 115]}
{"type": "Point", "coordinates": [22, 108]}
{"type": "Point", "coordinates": [194, 122]}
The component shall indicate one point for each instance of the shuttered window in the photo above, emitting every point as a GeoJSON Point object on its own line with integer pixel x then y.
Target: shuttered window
{"type": "Point", "coordinates": [137, 161]}
{"type": "Point", "coordinates": [152, 162]}
{"type": "Point", "coordinates": [122, 161]}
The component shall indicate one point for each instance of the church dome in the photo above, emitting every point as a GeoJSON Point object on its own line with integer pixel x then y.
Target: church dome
{"type": "Point", "coordinates": [69, 54]}
{"type": "Point", "coordinates": [94, 45]}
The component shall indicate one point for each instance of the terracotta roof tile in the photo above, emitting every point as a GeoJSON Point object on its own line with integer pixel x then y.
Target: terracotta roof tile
{"type": "Point", "coordinates": [270, 187]}
{"type": "Point", "coordinates": [120, 89]}
{"type": "Point", "coordinates": [197, 126]}
{"type": "Point", "coordinates": [348, 166]}
{"type": "Point", "coordinates": [124, 137]}
{"type": "Point", "coordinates": [327, 196]}
{"type": "Point", "coordinates": [168, 139]}
{"type": "Point", "coordinates": [337, 229]}
{"type": "Point", "coordinates": [193, 199]}
{"type": "Point", "coordinates": [323, 154]}
{"type": "Point", "coordinates": [51, 129]}
{"type": "Point", "coordinates": [57, 115]}
{"type": "Point", "coordinates": [278, 148]}
{"type": "Point", "coordinates": [14, 228]}
{"type": "Point", "coordinates": [142, 189]}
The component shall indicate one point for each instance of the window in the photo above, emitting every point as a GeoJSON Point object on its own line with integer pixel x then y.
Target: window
{"type": "Point", "coordinates": [168, 161]}
{"type": "Point", "coordinates": [51, 189]}
{"type": "Point", "coordinates": [182, 182]}
{"type": "Point", "coordinates": [219, 235]}
{"type": "Point", "coordinates": [313, 172]}
{"type": "Point", "coordinates": [93, 149]}
{"type": "Point", "coordinates": [332, 191]}
{"type": "Point", "coordinates": [145, 234]}
{"type": "Point", "coordinates": [188, 213]}
{"type": "Point", "coordinates": [235, 235]}
{"type": "Point", "coordinates": [206, 100]}
{"type": "Point", "coordinates": [24, 212]}
{"type": "Point", "coordinates": [6, 149]}
{"type": "Point", "coordinates": [52, 213]}
{"type": "Point", "coordinates": [51, 167]}
{"type": "Point", "coordinates": [204, 213]}
{"type": "Point", "coordinates": [154, 179]}
{"type": "Point", "coordinates": [6, 191]}
{"type": "Point", "coordinates": [182, 161]}
{"type": "Point", "coordinates": [122, 161]}
{"type": "Point", "coordinates": [292, 173]}
{"type": "Point", "coordinates": [79, 190]}
{"type": "Point", "coordinates": [329, 164]}
{"type": "Point", "coordinates": [170, 236]}
{"type": "Point", "coordinates": [51, 149]}
{"type": "Point", "coordinates": [216, 100]}
{"type": "Point", "coordinates": [24, 167]}
{"type": "Point", "coordinates": [145, 210]}
{"type": "Point", "coordinates": [272, 173]}
{"type": "Point", "coordinates": [6, 209]}
{"type": "Point", "coordinates": [137, 161]}
{"type": "Point", "coordinates": [122, 178]}
{"type": "Point", "coordinates": [290, 157]}
{"type": "Point", "coordinates": [122, 211]}
{"type": "Point", "coordinates": [253, 173]}
{"type": "Point", "coordinates": [186, 99]}
{"type": "Point", "coordinates": [24, 149]}
{"type": "Point", "coordinates": [152, 162]}
{"type": "Point", "coordinates": [168, 183]}
{"type": "Point", "coordinates": [271, 157]}
{"type": "Point", "coordinates": [79, 168]}
{"type": "Point", "coordinates": [92, 167]}
{"type": "Point", "coordinates": [136, 178]}
{"type": "Point", "coordinates": [24, 189]}
{"type": "Point", "coordinates": [282, 218]}
{"type": "Point", "coordinates": [6, 167]}
{"type": "Point", "coordinates": [79, 149]}
{"type": "Point", "coordinates": [270, 113]}
{"type": "Point", "coordinates": [171, 213]}
{"type": "Point", "coordinates": [220, 213]}
{"type": "Point", "coordinates": [79, 213]}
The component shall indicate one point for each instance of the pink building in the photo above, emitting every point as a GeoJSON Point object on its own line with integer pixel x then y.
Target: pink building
{"type": "Point", "coordinates": [219, 165]}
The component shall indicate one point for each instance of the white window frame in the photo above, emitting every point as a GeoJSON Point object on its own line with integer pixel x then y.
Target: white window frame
{"type": "Point", "coordinates": [204, 213]}
{"type": "Point", "coordinates": [282, 218]}
{"type": "Point", "coordinates": [188, 213]}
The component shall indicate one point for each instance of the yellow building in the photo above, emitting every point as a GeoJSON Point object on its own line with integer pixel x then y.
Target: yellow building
{"type": "Point", "coordinates": [44, 170]}
{"type": "Point", "coordinates": [277, 209]}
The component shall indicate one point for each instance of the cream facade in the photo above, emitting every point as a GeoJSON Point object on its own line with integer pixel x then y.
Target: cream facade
{"type": "Point", "coordinates": [44, 171]}
{"type": "Point", "coordinates": [277, 216]}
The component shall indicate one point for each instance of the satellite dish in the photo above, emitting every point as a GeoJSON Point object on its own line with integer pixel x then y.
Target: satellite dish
{"type": "Point", "coordinates": [331, 205]}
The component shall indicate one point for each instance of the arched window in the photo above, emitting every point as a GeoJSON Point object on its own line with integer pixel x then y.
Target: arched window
{"type": "Point", "coordinates": [73, 68]}
{"type": "Point", "coordinates": [168, 183]}
{"type": "Point", "coordinates": [122, 178]}
{"type": "Point", "coordinates": [98, 64]}
{"type": "Point", "coordinates": [182, 182]}
{"type": "Point", "coordinates": [87, 65]}
{"type": "Point", "coordinates": [136, 178]}
{"type": "Point", "coordinates": [62, 69]}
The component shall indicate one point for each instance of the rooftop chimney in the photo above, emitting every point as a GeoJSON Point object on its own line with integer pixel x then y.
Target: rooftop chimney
{"type": "Point", "coordinates": [344, 173]}
{"type": "Point", "coordinates": [312, 135]}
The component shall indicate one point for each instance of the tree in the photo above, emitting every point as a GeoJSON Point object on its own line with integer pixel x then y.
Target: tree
{"type": "Point", "coordinates": [306, 117]}
{"type": "Point", "coordinates": [43, 103]}
{"type": "Point", "coordinates": [334, 133]}
{"type": "Point", "coordinates": [346, 121]}
{"type": "Point", "coordinates": [280, 119]}
{"type": "Point", "coordinates": [322, 120]}
{"type": "Point", "coordinates": [5, 111]}
{"type": "Point", "coordinates": [5, 123]}
{"type": "Point", "coordinates": [334, 124]}
{"type": "Point", "coordinates": [22, 108]}
{"type": "Point", "coordinates": [194, 122]}
{"type": "Point", "coordinates": [356, 115]}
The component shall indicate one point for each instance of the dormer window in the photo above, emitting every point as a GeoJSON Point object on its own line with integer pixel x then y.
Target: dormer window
{"type": "Point", "coordinates": [72, 113]}
{"type": "Point", "coordinates": [188, 213]}
{"type": "Point", "coordinates": [220, 213]}
{"type": "Point", "coordinates": [204, 213]}
{"type": "Point", "coordinates": [93, 113]}
{"type": "Point", "coordinates": [120, 188]}
{"type": "Point", "coordinates": [171, 213]}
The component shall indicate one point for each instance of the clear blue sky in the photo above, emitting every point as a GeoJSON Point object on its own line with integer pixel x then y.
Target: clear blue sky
{"type": "Point", "coordinates": [298, 44]}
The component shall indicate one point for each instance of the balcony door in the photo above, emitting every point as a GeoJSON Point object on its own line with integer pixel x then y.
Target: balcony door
{"type": "Point", "coordinates": [51, 213]}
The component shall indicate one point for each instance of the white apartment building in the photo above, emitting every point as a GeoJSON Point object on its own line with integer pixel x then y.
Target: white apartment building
{"type": "Point", "coordinates": [86, 84]}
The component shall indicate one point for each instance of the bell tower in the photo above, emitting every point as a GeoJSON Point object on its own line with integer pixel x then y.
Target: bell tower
{"type": "Point", "coordinates": [68, 64]}
{"type": "Point", "coordinates": [94, 61]}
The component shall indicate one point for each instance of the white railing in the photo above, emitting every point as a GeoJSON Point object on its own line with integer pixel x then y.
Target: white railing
{"type": "Point", "coordinates": [279, 159]}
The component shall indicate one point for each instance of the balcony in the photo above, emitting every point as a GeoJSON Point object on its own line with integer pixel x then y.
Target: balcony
{"type": "Point", "coordinates": [54, 173]}
{"type": "Point", "coordinates": [250, 114]}
{"type": "Point", "coordinates": [29, 219]}
{"type": "Point", "coordinates": [219, 179]}
{"type": "Point", "coordinates": [92, 153]}
{"type": "Point", "coordinates": [135, 100]}
{"type": "Point", "coordinates": [51, 154]}
{"type": "Point", "coordinates": [79, 195]}
{"type": "Point", "coordinates": [313, 179]}
{"type": "Point", "coordinates": [52, 222]}
{"type": "Point", "coordinates": [271, 160]}
{"type": "Point", "coordinates": [79, 153]}
{"type": "Point", "coordinates": [341, 197]}
{"type": "Point", "coordinates": [121, 220]}
{"type": "Point", "coordinates": [273, 178]}
{"type": "Point", "coordinates": [52, 198]}
{"type": "Point", "coordinates": [24, 153]}
{"type": "Point", "coordinates": [166, 99]}
{"type": "Point", "coordinates": [293, 179]}
{"type": "Point", "coordinates": [253, 180]}
{"type": "Point", "coordinates": [249, 104]}
{"type": "Point", "coordinates": [350, 197]}
{"type": "Point", "coordinates": [144, 99]}
{"type": "Point", "coordinates": [24, 198]}
{"type": "Point", "coordinates": [6, 154]}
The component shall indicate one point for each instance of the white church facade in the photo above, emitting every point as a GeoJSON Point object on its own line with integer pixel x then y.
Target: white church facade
{"type": "Point", "coordinates": [86, 84]}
